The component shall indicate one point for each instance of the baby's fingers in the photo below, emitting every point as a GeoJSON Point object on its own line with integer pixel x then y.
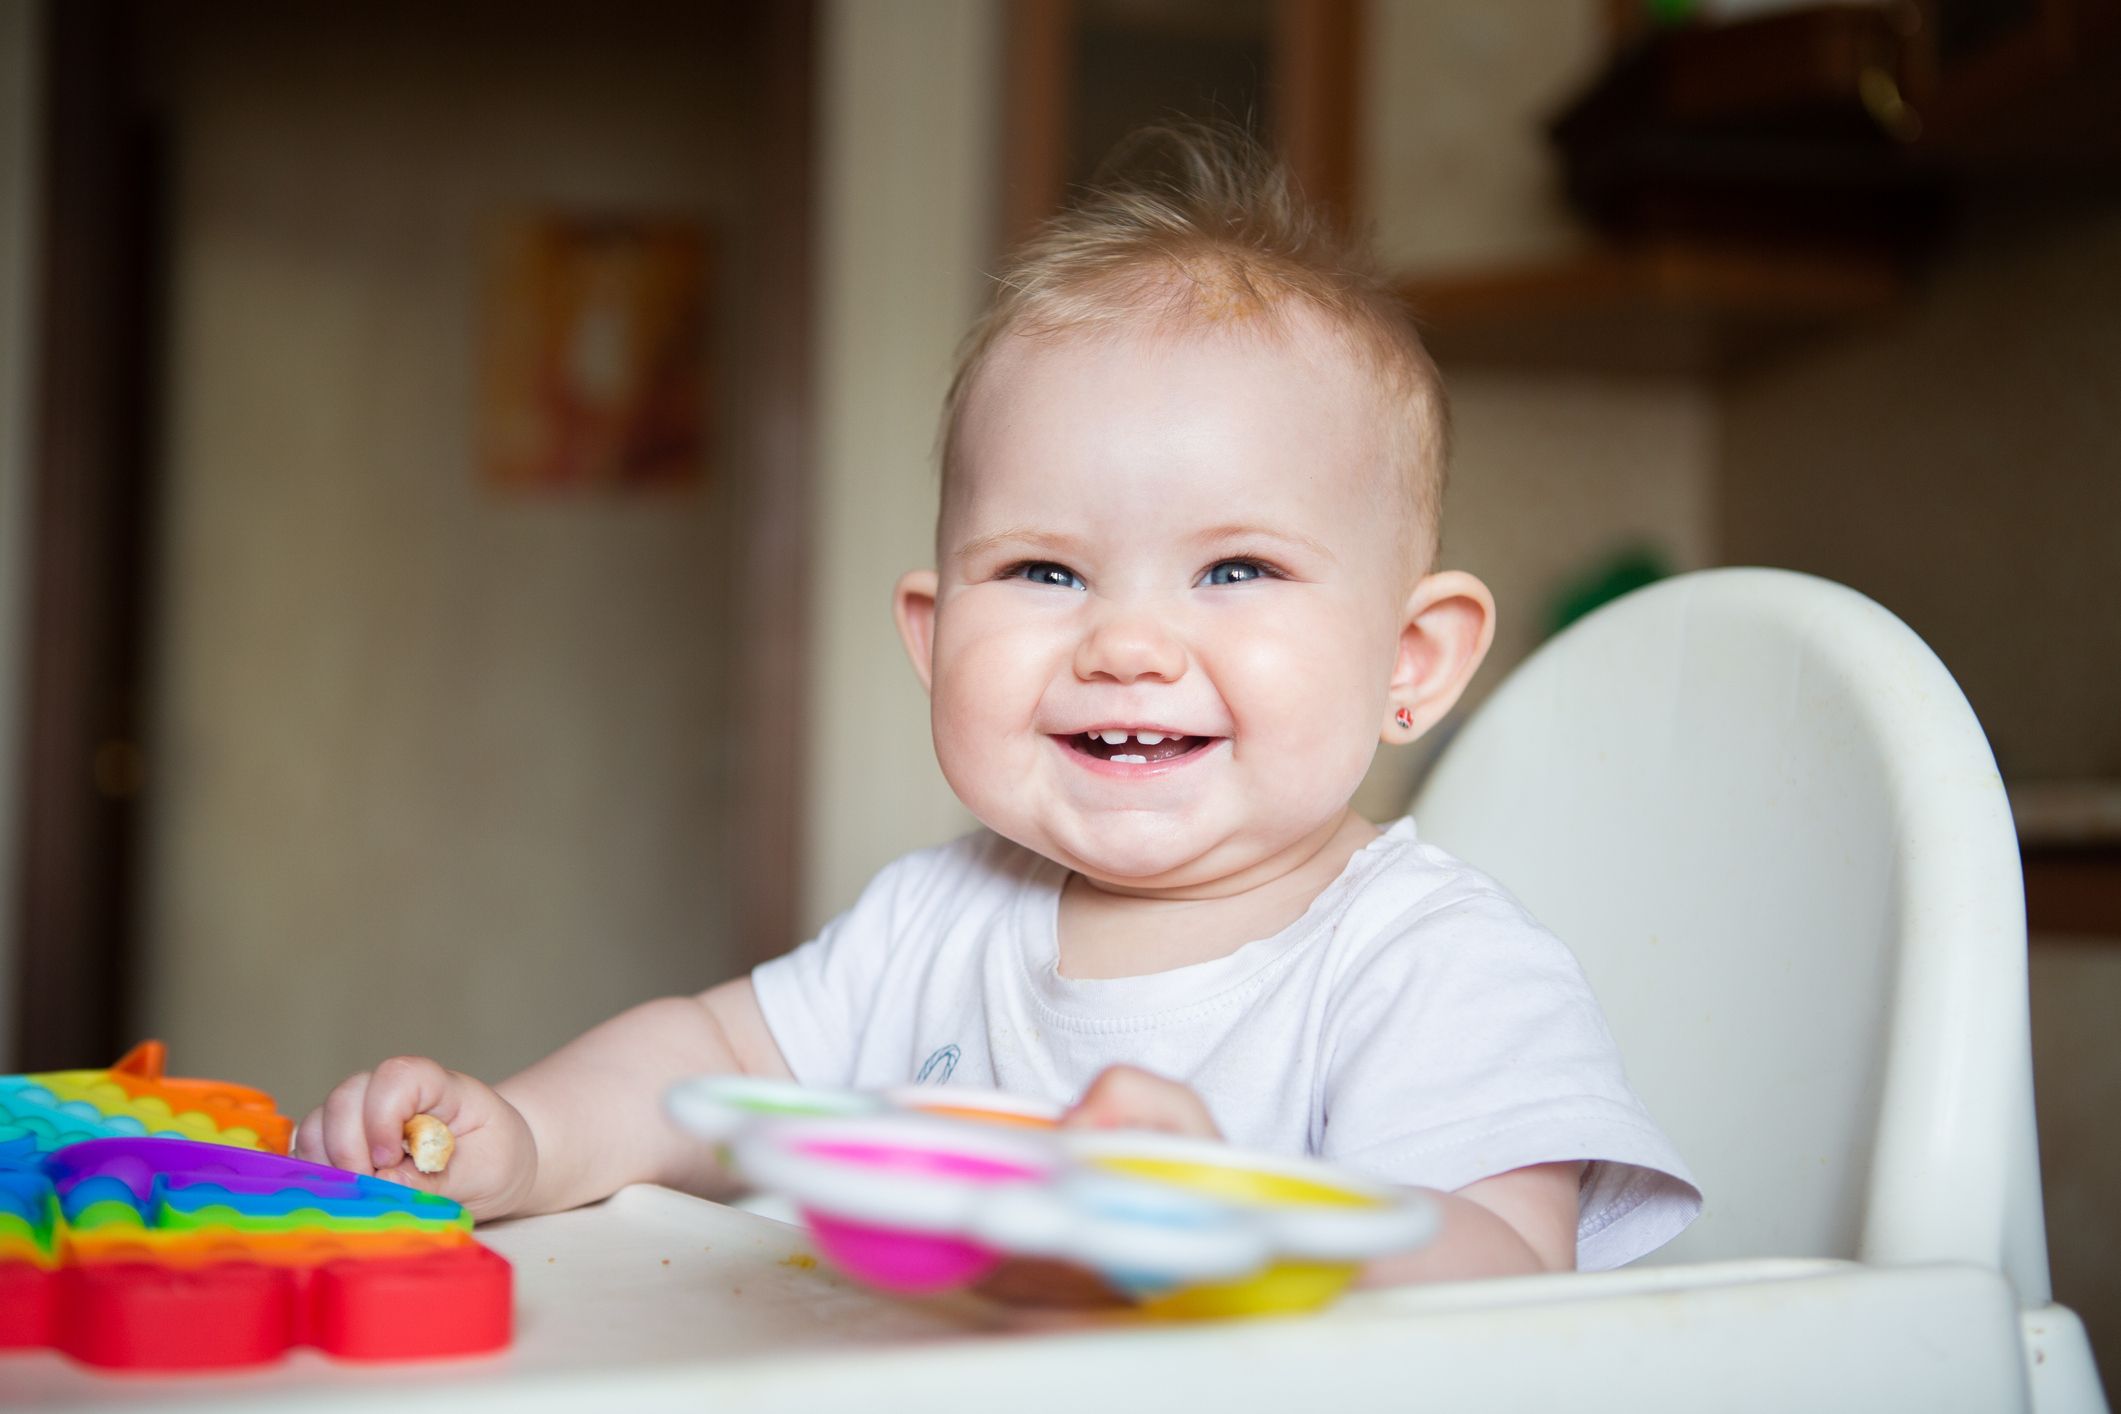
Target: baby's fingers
{"type": "Point", "coordinates": [332, 1134]}
{"type": "Point", "coordinates": [402, 1087]}
{"type": "Point", "coordinates": [308, 1144]}
{"type": "Point", "coordinates": [1124, 1097]}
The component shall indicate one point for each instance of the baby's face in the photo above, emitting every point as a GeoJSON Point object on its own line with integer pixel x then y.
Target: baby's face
{"type": "Point", "coordinates": [1170, 591]}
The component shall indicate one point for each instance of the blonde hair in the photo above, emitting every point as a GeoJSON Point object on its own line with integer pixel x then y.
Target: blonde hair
{"type": "Point", "coordinates": [1193, 226]}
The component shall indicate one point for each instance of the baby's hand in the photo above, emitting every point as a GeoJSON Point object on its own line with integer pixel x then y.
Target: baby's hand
{"type": "Point", "coordinates": [1126, 1098]}
{"type": "Point", "coordinates": [361, 1128]}
{"type": "Point", "coordinates": [1122, 1097]}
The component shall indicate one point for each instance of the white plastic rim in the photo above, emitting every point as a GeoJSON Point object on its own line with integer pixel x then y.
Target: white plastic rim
{"type": "Point", "coordinates": [715, 1107]}
{"type": "Point", "coordinates": [1401, 1220]}
{"type": "Point", "coordinates": [931, 1099]}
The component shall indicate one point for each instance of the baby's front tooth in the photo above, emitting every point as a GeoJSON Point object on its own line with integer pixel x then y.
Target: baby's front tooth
{"type": "Point", "coordinates": [1149, 738]}
{"type": "Point", "coordinates": [1111, 738]}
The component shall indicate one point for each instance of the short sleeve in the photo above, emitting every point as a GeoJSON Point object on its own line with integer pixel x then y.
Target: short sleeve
{"type": "Point", "coordinates": [817, 998]}
{"type": "Point", "coordinates": [1467, 1043]}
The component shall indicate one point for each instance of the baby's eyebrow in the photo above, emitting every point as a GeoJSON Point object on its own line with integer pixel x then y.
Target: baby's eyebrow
{"type": "Point", "coordinates": [1023, 537]}
{"type": "Point", "coordinates": [1237, 532]}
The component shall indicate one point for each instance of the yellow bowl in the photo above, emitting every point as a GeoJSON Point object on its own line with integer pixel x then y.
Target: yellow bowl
{"type": "Point", "coordinates": [1235, 1180]}
{"type": "Point", "coordinates": [1282, 1289]}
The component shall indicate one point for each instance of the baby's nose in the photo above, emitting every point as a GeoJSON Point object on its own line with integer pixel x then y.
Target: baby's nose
{"type": "Point", "coordinates": [1126, 647]}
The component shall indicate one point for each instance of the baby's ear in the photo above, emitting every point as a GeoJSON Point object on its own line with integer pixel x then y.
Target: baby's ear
{"type": "Point", "coordinates": [1445, 632]}
{"type": "Point", "coordinates": [913, 603]}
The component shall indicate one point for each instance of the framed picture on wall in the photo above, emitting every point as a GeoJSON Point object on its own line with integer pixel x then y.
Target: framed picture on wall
{"type": "Point", "coordinates": [595, 354]}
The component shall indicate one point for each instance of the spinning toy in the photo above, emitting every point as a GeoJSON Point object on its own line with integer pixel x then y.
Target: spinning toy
{"type": "Point", "coordinates": [924, 1189]}
{"type": "Point", "coordinates": [155, 1223]}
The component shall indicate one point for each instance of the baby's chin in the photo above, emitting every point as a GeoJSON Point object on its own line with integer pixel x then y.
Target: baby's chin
{"type": "Point", "coordinates": [1152, 860]}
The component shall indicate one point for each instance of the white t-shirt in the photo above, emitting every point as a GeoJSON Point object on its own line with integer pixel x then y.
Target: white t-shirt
{"type": "Point", "coordinates": [1415, 1024]}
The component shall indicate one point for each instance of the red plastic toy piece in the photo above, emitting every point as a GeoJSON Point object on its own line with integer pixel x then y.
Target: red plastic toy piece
{"type": "Point", "coordinates": [452, 1302]}
{"type": "Point", "coordinates": [143, 1315]}
{"type": "Point", "coordinates": [27, 1295]}
{"type": "Point", "coordinates": [150, 1316]}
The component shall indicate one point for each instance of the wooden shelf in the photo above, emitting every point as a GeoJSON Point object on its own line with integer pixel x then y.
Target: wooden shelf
{"type": "Point", "coordinates": [1657, 307]}
{"type": "Point", "coordinates": [2069, 814]}
{"type": "Point", "coordinates": [1764, 181]}
{"type": "Point", "coordinates": [2070, 835]}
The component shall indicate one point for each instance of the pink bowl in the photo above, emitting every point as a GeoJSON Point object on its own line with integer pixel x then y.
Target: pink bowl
{"type": "Point", "coordinates": [900, 1260]}
{"type": "Point", "coordinates": [924, 1161]}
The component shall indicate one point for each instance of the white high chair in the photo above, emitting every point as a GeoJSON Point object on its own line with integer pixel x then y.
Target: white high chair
{"type": "Point", "coordinates": [1764, 817]}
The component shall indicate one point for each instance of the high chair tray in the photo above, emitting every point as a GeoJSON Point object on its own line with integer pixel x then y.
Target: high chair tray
{"type": "Point", "coordinates": [657, 1301]}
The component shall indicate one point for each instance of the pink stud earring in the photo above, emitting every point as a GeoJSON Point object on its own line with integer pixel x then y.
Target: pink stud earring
{"type": "Point", "coordinates": [1404, 718]}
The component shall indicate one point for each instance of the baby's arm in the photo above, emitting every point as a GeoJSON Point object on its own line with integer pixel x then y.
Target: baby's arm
{"type": "Point", "coordinates": [1513, 1224]}
{"type": "Point", "coordinates": [595, 1106]}
{"type": "Point", "coordinates": [573, 1128]}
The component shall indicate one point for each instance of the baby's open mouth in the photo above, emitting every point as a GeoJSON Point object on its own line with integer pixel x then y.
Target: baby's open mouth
{"type": "Point", "coordinates": [1135, 747]}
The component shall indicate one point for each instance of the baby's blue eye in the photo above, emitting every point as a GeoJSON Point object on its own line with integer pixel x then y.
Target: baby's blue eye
{"type": "Point", "coordinates": [1046, 572]}
{"type": "Point", "coordinates": [1234, 572]}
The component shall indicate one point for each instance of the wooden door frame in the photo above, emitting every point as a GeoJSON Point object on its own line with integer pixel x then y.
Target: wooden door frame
{"type": "Point", "coordinates": [774, 513]}
{"type": "Point", "coordinates": [90, 513]}
{"type": "Point", "coordinates": [1317, 75]}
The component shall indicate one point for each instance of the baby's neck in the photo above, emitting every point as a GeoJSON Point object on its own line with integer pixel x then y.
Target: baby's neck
{"type": "Point", "coordinates": [1107, 933]}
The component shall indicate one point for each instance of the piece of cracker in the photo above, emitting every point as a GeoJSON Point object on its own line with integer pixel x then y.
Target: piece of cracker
{"type": "Point", "coordinates": [429, 1142]}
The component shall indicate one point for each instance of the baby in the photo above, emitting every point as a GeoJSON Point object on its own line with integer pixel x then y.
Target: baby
{"type": "Point", "coordinates": [1192, 473]}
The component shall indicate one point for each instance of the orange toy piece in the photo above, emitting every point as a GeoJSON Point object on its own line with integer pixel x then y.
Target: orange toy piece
{"type": "Point", "coordinates": [297, 1248]}
{"type": "Point", "coordinates": [140, 1075]}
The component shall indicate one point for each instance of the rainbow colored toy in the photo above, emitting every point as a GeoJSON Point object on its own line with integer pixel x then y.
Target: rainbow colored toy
{"type": "Point", "coordinates": [922, 1190]}
{"type": "Point", "coordinates": [154, 1223]}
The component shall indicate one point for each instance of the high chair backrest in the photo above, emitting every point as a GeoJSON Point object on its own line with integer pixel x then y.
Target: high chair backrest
{"type": "Point", "coordinates": [1763, 815]}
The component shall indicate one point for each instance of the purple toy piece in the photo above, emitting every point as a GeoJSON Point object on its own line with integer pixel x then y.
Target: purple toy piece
{"type": "Point", "coordinates": [137, 1163]}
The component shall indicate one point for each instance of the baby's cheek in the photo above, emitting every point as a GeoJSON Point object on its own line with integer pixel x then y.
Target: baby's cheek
{"type": "Point", "coordinates": [1312, 683]}
{"type": "Point", "coordinates": [980, 735]}
{"type": "Point", "coordinates": [1315, 720]}
{"type": "Point", "coordinates": [984, 648]}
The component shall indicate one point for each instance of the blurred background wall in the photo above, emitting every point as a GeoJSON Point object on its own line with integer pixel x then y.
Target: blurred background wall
{"type": "Point", "coordinates": [910, 104]}
{"type": "Point", "coordinates": [1959, 462]}
{"type": "Point", "coordinates": [436, 768]}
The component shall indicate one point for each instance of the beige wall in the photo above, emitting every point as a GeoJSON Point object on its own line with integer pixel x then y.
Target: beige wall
{"type": "Point", "coordinates": [1961, 464]}
{"type": "Point", "coordinates": [1457, 171]}
{"type": "Point", "coordinates": [1552, 473]}
{"type": "Point", "coordinates": [2076, 991]}
{"type": "Point", "coordinates": [19, 175]}
{"type": "Point", "coordinates": [406, 675]}
{"type": "Point", "coordinates": [909, 99]}
{"type": "Point", "coordinates": [437, 769]}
